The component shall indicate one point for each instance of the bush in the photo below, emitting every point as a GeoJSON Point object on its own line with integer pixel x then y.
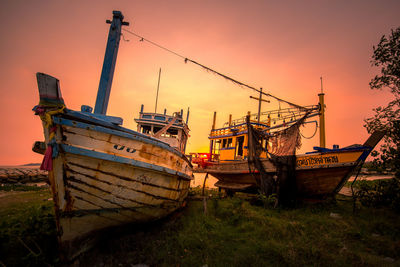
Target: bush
{"type": "Point", "coordinates": [379, 193]}
{"type": "Point", "coordinates": [265, 201]}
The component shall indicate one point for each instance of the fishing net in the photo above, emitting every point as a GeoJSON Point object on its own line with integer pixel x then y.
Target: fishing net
{"type": "Point", "coordinates": [285, 143]}
{"type": "Point", "coordinates": [281, 150]}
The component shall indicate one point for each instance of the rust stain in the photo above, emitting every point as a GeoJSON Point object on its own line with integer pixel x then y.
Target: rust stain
{"type": "Point", "coordinates": [96, 174]}
{"type": "Point", "coordinates": [109, 138]}
{"type": "Point", "coordinates": [143, 153]}
{"type": "Point", "coordinates": [68, 198]}
{"type": "Point", "coordinates": [152, 153]}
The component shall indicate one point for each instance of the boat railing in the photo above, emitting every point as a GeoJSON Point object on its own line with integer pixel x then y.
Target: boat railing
{"type": "Point", "coordinates": [237, 129]}
{"type": "Point", "coordinates": [228, 130]}
{"type": "Point", "coordinates": [278, 115]}
{"type": "Point", "coordinates": [156, 118]}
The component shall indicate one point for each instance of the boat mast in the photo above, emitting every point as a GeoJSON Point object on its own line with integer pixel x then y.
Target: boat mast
{"type": "Point", "coordinates": [260, 99]}
{"type": "Point", "coordinates": [322, 141]}
{"type": "Point", "coordinates": [212, 143]}
{"type": "Point", "coordinates": [110, 57]}
{"type": "Point", "coordinates": [259, 106]}
{"type": "Point", "coordinates": [158, 88]}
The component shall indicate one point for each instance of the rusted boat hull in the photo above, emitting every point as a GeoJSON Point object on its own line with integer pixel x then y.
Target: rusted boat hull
{"type": "Point", "coordinates": [102, 194]}
{"type": "Point", "coordinates": [321, 182]}
{"type": "Point", "coordinates": [317, 175]}
{"type": "Point", "coordinates": [105, 177]}
{"type": "Point", "coordinates": [320, 175]}
{"type": "Point", "coordinates": [236, 176]}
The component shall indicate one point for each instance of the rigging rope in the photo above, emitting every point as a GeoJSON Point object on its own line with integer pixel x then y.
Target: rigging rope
{"type": "Point", "coordinates": [316, 128]}
{"type": "Point", "coordinates": [186, 59]}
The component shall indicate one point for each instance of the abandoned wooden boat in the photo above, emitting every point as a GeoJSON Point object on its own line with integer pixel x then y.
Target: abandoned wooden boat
{"type": "Point", "coordinates": [103, 175]}
{"type": "Point", "coordinates": [252, 155]}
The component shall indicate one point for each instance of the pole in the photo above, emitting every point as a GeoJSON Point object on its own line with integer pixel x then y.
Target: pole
{"type": "Point", "coordinates": [214, 120]}
{"type": "Point", "coordinates": [322, 140]}
{"type": "Point", "coordinates": [187, 116]}
{"type": "Point", "coordinates": [259, 105]}
{"type": "Point", "coordinates": [158, 87]}
{"type": "Point", "coordinates": [110, 58]}
{"type": "Point", "coordinates": [212, 143]}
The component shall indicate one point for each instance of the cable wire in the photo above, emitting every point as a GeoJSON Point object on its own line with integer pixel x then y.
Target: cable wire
{"type": "Point", "coordinates": [186, 59]}
{"type": "Point", "coordinates": [316, 127]}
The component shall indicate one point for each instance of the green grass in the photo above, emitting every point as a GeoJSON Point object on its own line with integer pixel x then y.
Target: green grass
{"type": "Point", "coordinates": [234, 232]}
{"type": "Point", "coordinates": [17, 187]}
{"type": "Point", "coordinates": [27, 228]}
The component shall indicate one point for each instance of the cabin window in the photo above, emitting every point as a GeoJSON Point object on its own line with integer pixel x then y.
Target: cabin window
{"type": "Point", "coordinates": [217, 145]}
{"type": "Point", "coordinates": [239, 144]}
{"type": "Point", "coordinates": [156, 129]}
{"type": "Point", "coordinates": [229, 142]}
{"type": "Point", "coordinates": [224, 141]}
{"type": "Point", "coordinates": [146, 129]}
{"type": "Point", "coordinates": [146, 117]}
{"type": "Point", "coordinates": [172, 131]}
{"type": "Point", "coordinates": [159, 118]}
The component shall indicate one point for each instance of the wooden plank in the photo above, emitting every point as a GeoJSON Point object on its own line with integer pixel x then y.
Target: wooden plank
{"type": "Point", "coordinates": [125, 147]}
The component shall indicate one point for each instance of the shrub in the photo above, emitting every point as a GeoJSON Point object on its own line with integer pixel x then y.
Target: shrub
{"type": "Point", "coordinates": [379, 193]}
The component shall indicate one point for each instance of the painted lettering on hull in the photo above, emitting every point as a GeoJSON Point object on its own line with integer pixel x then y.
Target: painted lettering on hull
{"type": "Point", "coordinates": [127, 149]}
{"type": "Point", "coordinates": [329, 158]}
{"type": "Point", "coordinates": [317, 160]}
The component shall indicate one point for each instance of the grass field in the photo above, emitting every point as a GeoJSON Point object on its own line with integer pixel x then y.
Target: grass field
{"type": "Point", "coordinates": [235, 232]}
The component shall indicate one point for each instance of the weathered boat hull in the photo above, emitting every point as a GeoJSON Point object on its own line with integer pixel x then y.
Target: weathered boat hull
{"type": "Point", "coordinates": [104, 177]}
{"type": "Point", "coordinates": [317, 175]}
{"type": "Point", "coordinates": [324, 174]}
{"type": "Point", "coordinates": [101, 174]}
{"type": "Point", "coordinates": [102, 194]}
{"type": "Point", "coordinates": [321, 182]}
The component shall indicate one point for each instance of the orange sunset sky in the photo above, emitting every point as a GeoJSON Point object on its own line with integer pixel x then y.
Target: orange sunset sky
{"type": "Point", "coordinates": [282, 46]}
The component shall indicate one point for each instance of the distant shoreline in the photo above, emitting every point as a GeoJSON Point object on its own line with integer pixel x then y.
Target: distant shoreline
{"type": "Point", "coordinates": [29, 165]}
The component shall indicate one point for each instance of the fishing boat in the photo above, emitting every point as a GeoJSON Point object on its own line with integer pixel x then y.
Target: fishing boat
{"type": "Point", "coordinates": [257, 153]}
{"type": "Point", "coordinates": [103, 175]}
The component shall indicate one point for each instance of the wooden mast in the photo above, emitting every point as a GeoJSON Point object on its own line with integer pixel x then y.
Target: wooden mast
{"type": "Point", "coordinates": [158, 88]}
{"type": "Point", "coordinates": [110, 57]}
{"type": "Point", "coordinates": [322, 140]}
{"type": "Point", "coordinates": [212, 143]}
{"type": "Point", "coordinates": [259, 104]}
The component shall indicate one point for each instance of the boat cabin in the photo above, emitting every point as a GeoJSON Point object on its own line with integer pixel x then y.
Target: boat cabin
{"type": "Point", "coordinates": [169, 129]}
{"type": "Point", "coordinates": [229, 143]}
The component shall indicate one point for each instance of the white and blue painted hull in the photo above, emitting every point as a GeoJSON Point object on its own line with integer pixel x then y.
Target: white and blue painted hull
{"type": "Point", "coordinates": [105, 176]}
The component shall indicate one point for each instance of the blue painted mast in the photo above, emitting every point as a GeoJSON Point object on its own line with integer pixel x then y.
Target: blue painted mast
{"type": "Point", "coordinates": [110, 57]}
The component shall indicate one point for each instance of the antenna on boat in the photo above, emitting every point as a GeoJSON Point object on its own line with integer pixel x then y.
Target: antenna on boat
{"type": "Point", "coordinates": [322, 88]}
{"type": "Point", "coordinates": [110, 58]}
{"type": "Point", "coordinates": [187, 116]}
{"type": "Point", "coordinates": [322, 140]}
{"type": "Point", "coordinates": [214, 120]}
{"type": "Point", "coordinates": [259, 103]}
{"type": "Point", "coordinates": [158, 88]}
